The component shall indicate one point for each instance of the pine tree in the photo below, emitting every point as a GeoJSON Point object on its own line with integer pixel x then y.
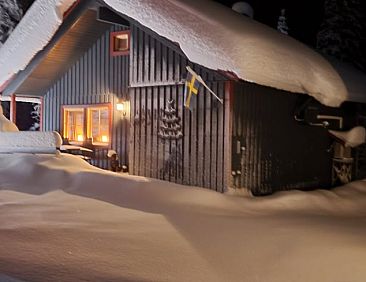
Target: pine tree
{"type": "Point", "coordinates": [282, 22]}
{"type": "Point", "coordinates": [170, 128]}
{"type": "Point", "coordinates": [36, 117]}
{"type": "Point", "coordinates": [343, 32]}
{"type": "Point", "coordinates": [10, 15]}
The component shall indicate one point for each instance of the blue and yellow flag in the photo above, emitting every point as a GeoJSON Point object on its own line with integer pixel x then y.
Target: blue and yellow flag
{"type": "Point", "coordinates": [192, 85]}
{"type": "Point", "coordinates": [193, 82]}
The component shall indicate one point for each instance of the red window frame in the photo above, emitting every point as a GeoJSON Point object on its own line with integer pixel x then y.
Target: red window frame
{"type": "Point", "coordinates": [113, 35]}
{"type": "Point", "coordinates": [85, 108]}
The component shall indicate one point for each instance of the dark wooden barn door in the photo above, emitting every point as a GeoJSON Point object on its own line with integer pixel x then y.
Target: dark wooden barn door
{"type": "Point", "coordinates": [271, 150]}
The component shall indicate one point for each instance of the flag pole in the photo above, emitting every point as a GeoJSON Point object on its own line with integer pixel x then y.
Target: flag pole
{"type": "Point", "coordinates": [199, 78]}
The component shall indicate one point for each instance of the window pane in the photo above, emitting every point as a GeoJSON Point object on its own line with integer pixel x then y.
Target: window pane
{"type": "Point", "coordinates": [99, 124]}
{"type": "Point", "coordinates": [74, 124]}
{"type": "Point", "coordinates": [121, 42]}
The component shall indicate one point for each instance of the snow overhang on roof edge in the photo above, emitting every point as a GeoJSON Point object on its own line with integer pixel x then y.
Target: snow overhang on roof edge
{"type": "Point", "coordinates": [214, 37]}
{"type": "Point", "coordinates": [31, 35]}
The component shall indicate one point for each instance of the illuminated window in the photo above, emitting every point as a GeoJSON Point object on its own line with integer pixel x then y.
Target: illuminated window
{"type": "Point", "coordinates": [120, 43]}
{"type": "Point", "coordinates": [87, 122]}
{"type": "Point", "coordinates": [98, 124]}
{"type": "Point", "coordinates": [74, 124]}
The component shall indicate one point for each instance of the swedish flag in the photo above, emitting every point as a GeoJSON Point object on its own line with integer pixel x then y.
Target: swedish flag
{"type": "Point", "coordinates": [191, 87]}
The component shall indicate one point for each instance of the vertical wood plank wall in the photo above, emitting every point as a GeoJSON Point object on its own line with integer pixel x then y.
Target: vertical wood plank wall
{"type": "Point", "coordinates": [280, 153]}
{"type": "Point", "coordinates": [157, 75]}
{"type": "Point", "coordinates": [95, 78]}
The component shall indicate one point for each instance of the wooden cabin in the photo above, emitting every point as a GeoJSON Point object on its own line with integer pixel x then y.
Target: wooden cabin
{"type": "Point", "coordinates": [108, 79]}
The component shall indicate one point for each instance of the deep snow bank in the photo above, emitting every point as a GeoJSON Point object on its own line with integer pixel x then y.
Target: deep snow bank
{"type": "Point", "coordinates": [64, 220]}
{"type": "Point", "coordinates": [30, 142]}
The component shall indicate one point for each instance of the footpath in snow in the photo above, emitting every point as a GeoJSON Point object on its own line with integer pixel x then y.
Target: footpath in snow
{"type": "Point", "coordinates": [64, 220]}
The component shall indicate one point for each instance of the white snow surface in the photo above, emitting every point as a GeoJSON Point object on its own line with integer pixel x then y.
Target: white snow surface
{"type": "Point", "coordinates": [30, 142]}
{"type": "Point", "coordinates": [208, 33]}
{"type": "Point", "coordinates": [5, 124]}
{"type": "Point", "coordinates": [352, 138]}
{"type": "Point", "coordinates": [64, 220]}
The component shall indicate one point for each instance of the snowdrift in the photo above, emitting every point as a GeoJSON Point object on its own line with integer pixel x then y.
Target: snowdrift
{"type": "Point", "coordinates": [63, 220]}
{"type": "Point", "coordinates": [30, 142]}
{"type": "Point", "coordinates": [213, 36]}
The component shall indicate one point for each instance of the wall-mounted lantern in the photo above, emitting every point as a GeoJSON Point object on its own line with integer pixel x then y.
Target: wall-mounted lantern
{"type": "Point", "coordinates": [123, 108]}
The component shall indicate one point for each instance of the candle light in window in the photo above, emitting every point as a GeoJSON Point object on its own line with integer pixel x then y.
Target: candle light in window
{"type": "Point", "coordinates": [104, 138]}
{"type": "Point", "coordinates": [80, 138]}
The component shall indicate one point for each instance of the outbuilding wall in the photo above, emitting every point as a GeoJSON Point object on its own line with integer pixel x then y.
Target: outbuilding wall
{"type": "Point", "coordinates": [277, 152]}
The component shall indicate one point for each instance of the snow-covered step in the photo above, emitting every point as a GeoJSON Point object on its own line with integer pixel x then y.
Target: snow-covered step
{"type": "Point", "coordinates": [30, 142]}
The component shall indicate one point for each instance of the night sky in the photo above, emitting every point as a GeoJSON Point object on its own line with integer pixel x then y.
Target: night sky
{"type": "Point", "coordinates": [303, 16]}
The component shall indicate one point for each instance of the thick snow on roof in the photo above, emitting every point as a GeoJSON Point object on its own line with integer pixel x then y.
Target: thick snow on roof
{"type": "Point", "coordinates": [218, 38]}
{"type": "Point", "coordinates": [64, 220]}
{"type": "Point", "coordinates": [31, 35]}
{"type": "Point", "coordinates": [208, 33]}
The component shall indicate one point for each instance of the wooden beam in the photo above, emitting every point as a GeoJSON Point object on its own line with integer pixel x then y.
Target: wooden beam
{"type": "Point", "coordinates": [229, 95]}
{"type": "Point", "coordinates": [13, 109]}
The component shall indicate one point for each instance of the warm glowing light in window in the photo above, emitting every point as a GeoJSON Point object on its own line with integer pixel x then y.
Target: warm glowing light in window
{"type": "Point", "coordinates": [73, 124]}
{"type": "Point", "coordinates": [87, 122]}
{"type": "Point", "coordinates": [98, 124]}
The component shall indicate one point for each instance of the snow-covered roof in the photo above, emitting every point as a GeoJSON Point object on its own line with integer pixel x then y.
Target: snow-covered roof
{"type": "Point", "coordinates": [31, 35]}
{"type": "Point", "coordinates": [209, 34]}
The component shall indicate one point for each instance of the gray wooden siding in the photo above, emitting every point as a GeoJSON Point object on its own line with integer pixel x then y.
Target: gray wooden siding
{"type": "Point", "coordinates": [280, 153]}
{"type": "Point", "coordinates": [157, 74]}
{"type": "Point", "coordinates": [95, 78]}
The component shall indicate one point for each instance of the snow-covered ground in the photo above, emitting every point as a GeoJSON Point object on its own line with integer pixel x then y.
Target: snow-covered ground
{"type": "Point", "coordinates": [63, 220]}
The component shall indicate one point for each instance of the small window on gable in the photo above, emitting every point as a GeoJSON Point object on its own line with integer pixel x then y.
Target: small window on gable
{"type": "Point", "coordinates": [120, 43]}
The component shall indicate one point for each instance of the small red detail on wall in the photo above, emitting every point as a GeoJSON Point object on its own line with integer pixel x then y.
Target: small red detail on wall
{"type": "Point", "coordinates": [120, 43]}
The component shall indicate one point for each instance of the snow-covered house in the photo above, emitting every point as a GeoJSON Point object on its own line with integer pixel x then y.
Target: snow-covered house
{"type": "Point", "coordinates": [113, 72]}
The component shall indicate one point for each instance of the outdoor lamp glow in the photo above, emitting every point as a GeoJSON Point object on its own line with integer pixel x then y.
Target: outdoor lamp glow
{"type": "Point", "coordinates": [122, 106]}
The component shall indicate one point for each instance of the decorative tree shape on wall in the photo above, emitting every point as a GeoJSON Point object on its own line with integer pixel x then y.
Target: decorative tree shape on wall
{"type": "Point", "coordinates": [170, 132]}
{"type": "Point", "coordinates": [170, 127]}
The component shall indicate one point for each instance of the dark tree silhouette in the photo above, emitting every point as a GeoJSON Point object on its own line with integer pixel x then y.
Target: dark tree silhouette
{"type": "Point", "coordinates": [343, 32]}
{"type": "Point", "coordinates": [10, 15]}
{"type": "Point", "coordinates": [282, 22]}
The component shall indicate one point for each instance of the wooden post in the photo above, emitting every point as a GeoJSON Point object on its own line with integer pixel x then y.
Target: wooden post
{"type": "Point", "coordinates": [229, 91]}
{"type": "Point", "coordinates": [13, 108]}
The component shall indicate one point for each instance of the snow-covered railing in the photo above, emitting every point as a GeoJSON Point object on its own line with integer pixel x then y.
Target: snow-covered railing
{"type": "Point", "coordinates": [30, 142]}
